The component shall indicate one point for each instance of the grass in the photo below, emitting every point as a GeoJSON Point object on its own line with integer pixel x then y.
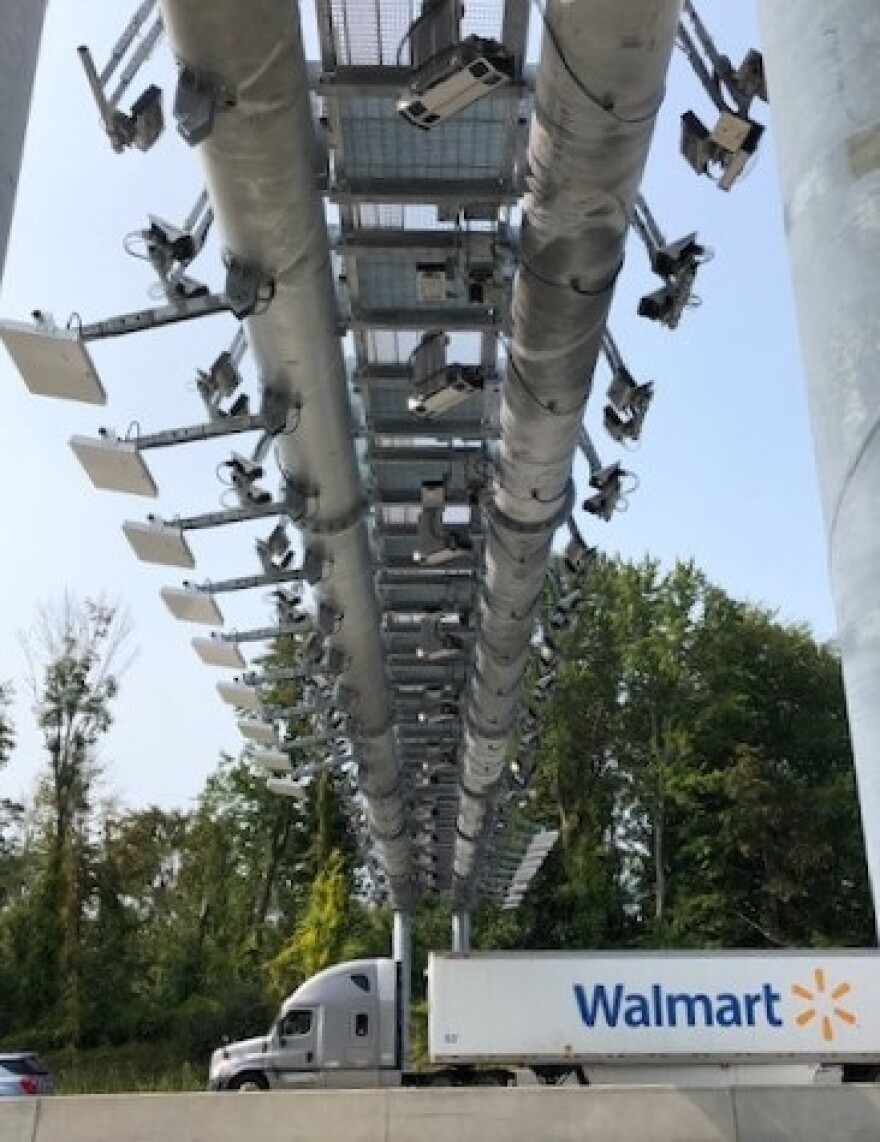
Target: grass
{"type": "Point", "coordinates": [132, 1068]}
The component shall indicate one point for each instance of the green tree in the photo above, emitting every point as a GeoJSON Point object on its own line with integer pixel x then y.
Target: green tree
{"type": "Point", "coordinates": [695, 759]}
{"type": "Point", "coordinates": [11, 812]}
{"type": "Point", "coordinates": [75, 651]}
{"type": "Point", "coordinates": [320, 938]}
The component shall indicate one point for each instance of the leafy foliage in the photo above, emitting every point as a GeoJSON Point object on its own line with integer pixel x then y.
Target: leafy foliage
{"type": "Point", "coordinates": [696, 761]}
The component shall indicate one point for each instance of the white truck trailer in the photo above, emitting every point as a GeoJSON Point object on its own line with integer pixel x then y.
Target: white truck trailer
{"type": "Point", "coordinates": [671, 1017]}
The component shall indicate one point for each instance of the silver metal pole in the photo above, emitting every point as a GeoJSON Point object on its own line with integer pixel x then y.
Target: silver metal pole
{"type": "Point", "coordinates": [270, 212]}
{"type": "Point", "coordinates": [21, 26]}
{"type": "Point", "coordinates": [461, 932]}
{"type": "Point", "coordinates": [823, 66]}
{"type": "Point", "coordinates": [401, 937]}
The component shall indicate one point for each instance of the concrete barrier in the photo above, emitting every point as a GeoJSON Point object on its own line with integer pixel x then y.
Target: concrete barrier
{"type": "Point", "coordinates": [18, 1119]}
{"type": "Point", "coordinates": [600, 1114]}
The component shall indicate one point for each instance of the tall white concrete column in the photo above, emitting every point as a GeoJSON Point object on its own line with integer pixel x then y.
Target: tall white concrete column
{"type": "Point", "coordinates": [402, 952]}
{"type": "Point", "coordinates": [823, 69]}
{"type": "Point", "coordinates": [21, 25]}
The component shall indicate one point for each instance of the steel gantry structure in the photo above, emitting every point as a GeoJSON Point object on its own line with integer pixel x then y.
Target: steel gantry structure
{"type": "Point", "coordinates": [425, 297]}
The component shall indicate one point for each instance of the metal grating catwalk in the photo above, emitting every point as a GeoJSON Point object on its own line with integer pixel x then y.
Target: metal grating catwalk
{"type": "Point", "coordinates": [382, 250]}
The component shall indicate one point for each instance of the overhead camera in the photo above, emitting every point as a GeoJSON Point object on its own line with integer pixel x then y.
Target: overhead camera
{"type": "Point", "coordinates": [167, 244]}
{"type": "Point", "coordinates": [677, 263]}
{"type": "Point", "coordinates": [287, 603]}
{"type": "Point", "coordinates": [453, 79]}
{"type": "Point", "coordinates": [244, 474]}
{"type": "Point", "coordinates": [438, 543]}
{"type": "Point", "coordinates": [577, 556]}
{"type": "Point", "coordinates": [729, 146]}
{"type": "Point", "coordinates": [621, 428]}
{"type": "Point", "coordinates": [734, 140]}
{"type": "Point", "coordinates": [437, 715]}
{"type": "Point", "coordinates": [543, 683]}
{"type": "Point", "coordinates": [548, 652]}
{"type": "Point", "coordinates": [337, 720]}
{"type": "Point", "coordinates": [608, 484]}
{"type": "Point", "coordinates": [529, 737]}
{"type": "Point", "coordinates": [484, 285]}
{"type": "Point", "coordinates": [143, 125]}
{"type": "Point", "coordinates": [219, 383]}
{"type": "Point", "coordinates": [441, 392]}
{"type": "Point", "coordinates": [170, 249]}
{"type": "Point", "coordinates": [437, 645]}
{"type": "Point", "coordinates": [275, 553]}
{"type": "Point", "coordinates": [564, 608]}
{"type": "Point", "coordinates": [624, 416]}
{"type": "Point", "coordinates": [673, 259]}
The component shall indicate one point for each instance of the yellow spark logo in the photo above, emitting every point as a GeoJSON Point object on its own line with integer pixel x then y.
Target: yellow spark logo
{"type": "Point", "coordinates": [823, 1004]}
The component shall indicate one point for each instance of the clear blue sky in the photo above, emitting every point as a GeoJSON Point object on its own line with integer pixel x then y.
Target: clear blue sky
{"type": "Point", "coordinates": [726, 472]}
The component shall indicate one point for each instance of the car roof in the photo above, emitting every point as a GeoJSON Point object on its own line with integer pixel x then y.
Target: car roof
{"type": "Point", "coordinates": [24, 1053]}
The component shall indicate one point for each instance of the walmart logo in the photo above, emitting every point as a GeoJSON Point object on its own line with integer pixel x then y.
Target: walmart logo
{"type": "Point", "coordinates": [659, 1007]}
{"type": "Point", "coordinates": [823, 1005]}
{"type": "Point", "coordinates": [615, 1005]}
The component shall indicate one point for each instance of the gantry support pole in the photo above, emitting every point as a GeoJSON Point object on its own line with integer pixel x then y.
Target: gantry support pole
{"type": "Point", "coordinates": [402, 953]}
{"type": "Point", "coordinates": [823, 68]}
{"type": "Point", "coordinates": [461, 932]}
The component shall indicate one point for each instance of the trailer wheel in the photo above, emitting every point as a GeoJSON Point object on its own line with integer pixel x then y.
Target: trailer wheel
{"type": "Point", "coordinates": [249, 1080]}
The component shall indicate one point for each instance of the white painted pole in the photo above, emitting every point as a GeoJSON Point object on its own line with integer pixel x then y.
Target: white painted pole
{"type": "Point", "coordinates": [21, 25]}
{"type": "Point", "coordinates": [823, 70]}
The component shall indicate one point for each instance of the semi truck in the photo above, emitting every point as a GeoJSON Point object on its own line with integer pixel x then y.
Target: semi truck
{"type": "Point", "coordinates": [694, 1018]}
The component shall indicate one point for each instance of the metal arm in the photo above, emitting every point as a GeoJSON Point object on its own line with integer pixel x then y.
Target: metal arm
{"type": "Point", "coordinates": [645, 225]}
{"type": "Point", "coordinates": [220, 519]}
{"type": "Point", "coordinates": [126, 39]}
{"type": "Point", "coordinates": [139, 57]}
{"type": "Point", "coordinates": [247, 582]}
{"type": "Point", "coordinates": [611, 352]}
{"type": "Point", "coordinates": [589, 452]}
{"type": "Point", "coordinates": [145, 123]}
{"type": "Point", "coordinates": [246, 288]}
{"type": "Point", "coordinates": [711, 79]}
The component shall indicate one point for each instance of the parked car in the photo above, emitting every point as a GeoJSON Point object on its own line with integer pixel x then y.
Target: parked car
{"type": "Point", "coordinates": [23, 1073]}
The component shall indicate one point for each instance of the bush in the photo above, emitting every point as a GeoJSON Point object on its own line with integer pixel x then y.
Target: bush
{"type": "Point", "coordinates": [134, 1068]}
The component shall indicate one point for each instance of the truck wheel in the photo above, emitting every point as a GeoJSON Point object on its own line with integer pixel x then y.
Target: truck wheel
{"type": "Point", "coordinates": [249, 1080]}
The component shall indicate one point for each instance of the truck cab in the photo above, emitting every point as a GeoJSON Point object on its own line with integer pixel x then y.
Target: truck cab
{"type": "Point", "coordinates": [338, 1029]}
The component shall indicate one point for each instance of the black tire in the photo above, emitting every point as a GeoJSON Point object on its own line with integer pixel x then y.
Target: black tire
{"type": "Point", "coordinates": [249, 1080]}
